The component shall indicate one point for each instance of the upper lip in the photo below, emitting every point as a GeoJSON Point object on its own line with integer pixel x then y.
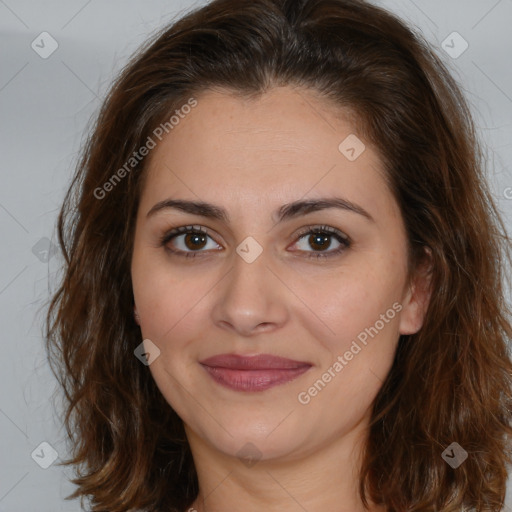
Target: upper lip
{"type": "Point", "coordinates": [256, 362]}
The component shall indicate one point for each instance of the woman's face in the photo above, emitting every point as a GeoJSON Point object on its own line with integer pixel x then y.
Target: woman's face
{"type": "Point", "coordinates": [259, 283]}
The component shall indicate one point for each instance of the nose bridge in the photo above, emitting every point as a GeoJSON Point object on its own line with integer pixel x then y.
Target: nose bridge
{"type": "Point", "coordinates": [246, 281]}
{"type": "Point", "coordinates": [251, 263]}
{"type": "Point", "coordinates": [250, 296]}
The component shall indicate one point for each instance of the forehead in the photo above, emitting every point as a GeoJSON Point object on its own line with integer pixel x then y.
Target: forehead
{"type": "Point", "coordinates": [282, 146]}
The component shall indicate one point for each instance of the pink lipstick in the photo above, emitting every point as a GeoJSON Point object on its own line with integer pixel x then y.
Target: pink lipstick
{"type": "Point", "coordinates": [253, 373]}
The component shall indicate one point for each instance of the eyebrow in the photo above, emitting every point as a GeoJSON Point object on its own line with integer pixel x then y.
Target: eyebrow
{"type": "Point", "coordinates": [285, 212]}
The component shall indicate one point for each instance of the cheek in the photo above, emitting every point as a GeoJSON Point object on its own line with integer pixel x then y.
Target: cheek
{"type": "Point", "coordinates": [350, 303]}
{"type": "Point", "coordinates": [164, 298]}
{"type": "Point", "coordinates": [362, 314]}
{"type": "Point", "coordinates": [170, 314]}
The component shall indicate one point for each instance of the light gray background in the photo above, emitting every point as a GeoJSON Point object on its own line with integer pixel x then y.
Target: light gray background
{"type": "Point", "coordinates": [45, 106]}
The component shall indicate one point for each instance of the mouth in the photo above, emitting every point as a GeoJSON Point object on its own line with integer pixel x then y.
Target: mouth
{"type": "Point", "coordinates": [253, 373]}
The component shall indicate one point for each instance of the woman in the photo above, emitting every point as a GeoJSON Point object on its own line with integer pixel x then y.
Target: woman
{"type": "Point", "coordinates": [284, 275]}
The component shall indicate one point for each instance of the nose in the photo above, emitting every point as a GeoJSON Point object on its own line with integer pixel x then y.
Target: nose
{"type": "Point", "coordinates": [250, 299]}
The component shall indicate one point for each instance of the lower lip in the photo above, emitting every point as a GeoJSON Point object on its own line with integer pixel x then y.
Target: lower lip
{"type": "Point", "coordinates": [253, 380]}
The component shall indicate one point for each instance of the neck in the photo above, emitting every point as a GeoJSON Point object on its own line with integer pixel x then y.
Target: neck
{"type": "Point", "coordinates": [326, 479]}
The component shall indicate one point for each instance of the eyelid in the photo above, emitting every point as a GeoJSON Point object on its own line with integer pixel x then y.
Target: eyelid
{"type": "Point", "coordinates": [323, 229]}
{"type": "Point", "coordinates": [173, 232]}
{"type": "Point", "coordinates": [344, 239]}
{"type": "Point", "coordinates": [303, 231]}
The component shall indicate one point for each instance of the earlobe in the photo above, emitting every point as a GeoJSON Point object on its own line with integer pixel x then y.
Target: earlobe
{"type": "Point", "coordinates": [417, 299]}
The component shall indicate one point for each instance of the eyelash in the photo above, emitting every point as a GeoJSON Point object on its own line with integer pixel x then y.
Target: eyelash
{"type": "Point", "coordinates": [310, 230]}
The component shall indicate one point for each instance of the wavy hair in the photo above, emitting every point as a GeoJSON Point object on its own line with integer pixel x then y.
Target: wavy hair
{"type": "Point", "coordinates": [450, 382]}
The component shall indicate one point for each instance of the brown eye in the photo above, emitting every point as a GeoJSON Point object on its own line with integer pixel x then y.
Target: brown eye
{"type": "Point", "coordinates": [187, 241]}
{"type": "Point", "coordinates": [320, 239]}
{"type": "Point", "coordinates": [195, 241]}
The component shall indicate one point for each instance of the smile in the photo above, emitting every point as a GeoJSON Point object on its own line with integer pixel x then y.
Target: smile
{"type": "Point", "coordinates": [253, 373]}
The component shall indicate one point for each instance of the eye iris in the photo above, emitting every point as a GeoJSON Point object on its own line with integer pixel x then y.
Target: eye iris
{"type": "Point", "coordinates": [197, 240]}
{"type": "Point", "coordinates": [316, 240]}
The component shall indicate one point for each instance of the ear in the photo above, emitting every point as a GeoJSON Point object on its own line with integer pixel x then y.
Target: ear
{"type": "Point", "coordinates": [417, 297]}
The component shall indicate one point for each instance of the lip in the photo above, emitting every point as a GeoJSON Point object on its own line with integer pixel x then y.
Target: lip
{"type": "Point", "coordinates": [253, 373]}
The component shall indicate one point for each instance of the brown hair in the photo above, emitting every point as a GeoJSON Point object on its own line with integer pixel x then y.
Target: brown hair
{"type": "Point", "coordinates": [450, 382]}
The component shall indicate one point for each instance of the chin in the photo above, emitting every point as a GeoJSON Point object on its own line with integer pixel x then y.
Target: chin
{"type": "Point", "coordinates": [264, 438]}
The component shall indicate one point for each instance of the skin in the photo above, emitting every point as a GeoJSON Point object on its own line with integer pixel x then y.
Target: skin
{"type": "Point", "coordinates": [250, 157]}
